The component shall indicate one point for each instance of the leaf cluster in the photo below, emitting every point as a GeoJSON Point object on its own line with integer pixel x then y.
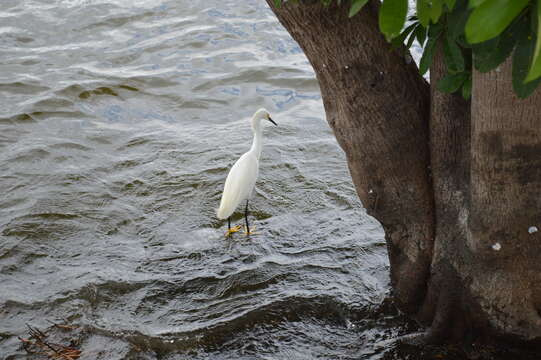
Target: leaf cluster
{"type": "Point", "coordinates": [478, 34]}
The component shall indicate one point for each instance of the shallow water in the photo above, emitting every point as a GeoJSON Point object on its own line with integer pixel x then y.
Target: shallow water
{"type": "Point", "coordinates": [119, 121]}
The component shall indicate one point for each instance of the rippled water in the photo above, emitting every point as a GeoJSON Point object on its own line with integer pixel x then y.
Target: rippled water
{"type": "Point", "coordinates": [118, 124]}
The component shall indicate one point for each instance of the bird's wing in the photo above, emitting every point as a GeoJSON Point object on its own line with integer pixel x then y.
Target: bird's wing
{"type": "Point", "coordinates": [239, 184]}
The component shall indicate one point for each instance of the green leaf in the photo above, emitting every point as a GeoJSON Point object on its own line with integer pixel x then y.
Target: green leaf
{"type": "Point", "coordinates": [423, 12]}
{"type": "Point", "coordinates": [420, 34]}
{"type": "Point", "coordinates": [399, 40]}
{"type": "Point", "coordinates": [278, 3]}
{"type": "Point", "coordinates": [456, 20]}
{"type": "Point", "coordinates": [535, 69]}
{"type": "Point", "coordinates": [412, 37]}
{"type": "Point", "coordinates": [490, 54]}
{"type": "Point", "coordinates": [466, 88]}
{"type": "Point", "coordinates": [450, 4]}
{"type": "Point", "coordinates": [476, 3]}
{"type": "Point", "coordinates": [392, 16]}
{"type": "Point", "coordinates": [521, 60]}
{"type": "Point", "coordinates": [433, 33]}
{"type": "Point", "coordinates": [454, 59]}
{"type": "Point", "coordinates": [490, 18]}
{"type": "Point", "coordinates": [356, 6]}
{"type": "Point", "coordinates": [435, 10]}
{"type": "Point", "coordinates": [452, 82]}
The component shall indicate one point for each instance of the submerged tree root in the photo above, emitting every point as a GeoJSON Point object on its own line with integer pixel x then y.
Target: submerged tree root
{"type": "Point", "coordinates": [38, 343]}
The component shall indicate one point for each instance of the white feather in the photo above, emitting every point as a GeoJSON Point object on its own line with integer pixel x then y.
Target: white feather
{"type": "Point", "coordinates": [239, 184]}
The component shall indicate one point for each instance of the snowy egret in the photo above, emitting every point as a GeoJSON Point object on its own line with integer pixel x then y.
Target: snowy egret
{"type": "Point", "coordinates": [240, 181]}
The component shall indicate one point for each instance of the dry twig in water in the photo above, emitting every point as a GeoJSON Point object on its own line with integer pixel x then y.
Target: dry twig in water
{"type": "Point", "coordinates": [37, 343]}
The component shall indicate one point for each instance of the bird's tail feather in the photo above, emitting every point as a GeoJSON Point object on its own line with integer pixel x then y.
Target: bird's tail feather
{"type": "Point", "coordinates": [223, 212]}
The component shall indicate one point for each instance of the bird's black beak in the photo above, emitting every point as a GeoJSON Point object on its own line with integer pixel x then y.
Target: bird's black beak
{"type": "Point", "coordinates": [272, 121]}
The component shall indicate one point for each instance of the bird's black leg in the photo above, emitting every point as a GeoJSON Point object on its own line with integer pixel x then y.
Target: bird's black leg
{"type": "Point", "coordinates": [230, 230]}
{"type": "Point", "coordinates": [246, 218]}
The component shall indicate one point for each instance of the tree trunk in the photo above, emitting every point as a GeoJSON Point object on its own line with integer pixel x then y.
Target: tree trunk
{"type": "Point", "coordinates": [449, 156]}
{"type": "Point", "coordinates": [505, 214]}
{"type": "Point", "coordinates": [455, 187]}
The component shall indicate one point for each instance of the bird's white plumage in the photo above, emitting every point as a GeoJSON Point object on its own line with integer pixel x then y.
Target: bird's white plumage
{"type": "Point", "coordinates": [240, 181]}
{"type": "Point", "coordinates": [239, 184]}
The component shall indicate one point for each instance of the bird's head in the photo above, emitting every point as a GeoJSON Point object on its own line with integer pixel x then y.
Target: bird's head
{"type": "Point", "coordinates": [261, 114]}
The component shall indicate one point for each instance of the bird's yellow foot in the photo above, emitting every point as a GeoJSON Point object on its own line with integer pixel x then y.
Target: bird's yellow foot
{"type": "Point", "coordinates": [234, 229]}
{"type": "Point", "coordinates": [251, 232]}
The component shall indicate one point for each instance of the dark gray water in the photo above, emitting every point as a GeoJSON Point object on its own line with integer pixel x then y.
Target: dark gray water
{"type": "Point", "coordinates": [118, 123]}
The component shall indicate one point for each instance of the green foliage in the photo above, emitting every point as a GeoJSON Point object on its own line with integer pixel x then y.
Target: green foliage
{"type": "Point", "coordinates": [434, 33]}
{"type": "Point", "coordinates": [392, 16]}
{"type": "Point", "coordinates": [522, 57]}
{"type": "Point", "coordinates": [450, 4]}
{"type": "Point", "coordinates": [473, 33]}
{"type": "Point", "coordinates": [423, 12]}
{"type": "Point", "coordinates": [452, 82]}
{"type": "Point", "coordinates": [491, 53]}
{"type": "Point", "coordinates": [466, 88]}
{"type": "Point", "coordinates": [453, 55]}
{"type": "Point", "coordinates": [356, 6]}
{"type": "Point", "coordinates": [400, 39]}
{"type": "Point", "coordinates": [476, 3]}
{"type": "Point", "coordinates": [489, 19]}
{"type": "Point", "coordinates": [535, 70]}
{"type": "Point", "coordinates": [483, 34]}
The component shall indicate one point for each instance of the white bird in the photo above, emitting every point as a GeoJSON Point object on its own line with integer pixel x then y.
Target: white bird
{"type": "Point", "coordinates": [240, 181]}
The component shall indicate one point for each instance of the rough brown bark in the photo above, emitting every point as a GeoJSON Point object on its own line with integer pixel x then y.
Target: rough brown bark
{"type": "Point", "coordinates": [504, 249]}
{"type": "Point", "coordinates": [450, 165]}
{"type": "Point", "coordinates": [377, 105]}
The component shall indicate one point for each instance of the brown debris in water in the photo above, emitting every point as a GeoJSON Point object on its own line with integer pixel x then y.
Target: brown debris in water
{"type": "Point", "coordinates": [39, 344]}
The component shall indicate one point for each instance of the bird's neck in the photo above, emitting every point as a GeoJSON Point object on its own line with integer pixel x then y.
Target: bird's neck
{"type": "Point", "coordinates": [258, 141]}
